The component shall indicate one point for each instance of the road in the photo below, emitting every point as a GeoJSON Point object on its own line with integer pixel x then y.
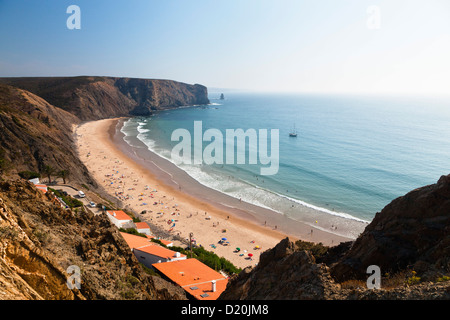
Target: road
{"type": "Point", "coordinates": [74, 193]}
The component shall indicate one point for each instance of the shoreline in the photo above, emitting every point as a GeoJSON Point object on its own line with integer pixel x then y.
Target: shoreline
{"type": "Point", "coordinates": [195, 207]}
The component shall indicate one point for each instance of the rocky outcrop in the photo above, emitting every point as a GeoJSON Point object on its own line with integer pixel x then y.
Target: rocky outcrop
{"type": "Point", "coordinates": [39, 241]}
{"type": "Point", "coordinates": [151, 95]}
{"type": "Point", "coordinates": [283, 273]}
{"type": "Point", "coordinates": [409, 240]}
{"type": "Point", "coordinates": [93, 98]}
{"type": "Point", "coordinates": [413, 231]}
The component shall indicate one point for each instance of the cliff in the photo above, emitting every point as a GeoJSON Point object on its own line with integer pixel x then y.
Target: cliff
{"type": "Point", "coordinates": [409, 240]}
{"type": "Point", "coordinates": [39, 241]}
{"type": "Point", "coordinates": [93, 98]}
{"type": "Point", "coordinates": [35, 134]}
{"type": "Point", "coordinates": [413, 231]}
{"type": "Point", "coordinates": [37, 115]}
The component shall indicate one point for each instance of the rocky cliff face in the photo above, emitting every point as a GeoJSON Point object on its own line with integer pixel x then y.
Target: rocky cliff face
{"type": "Point", "coordinates": [413, 231]}
{"type": "Point", "coordinates": [93, 98]}
{"type": "Point", "coordinates": [409, 240]}
{"type": "Point", "coordinates": [35, 134]}
{"type": "Point", "coordinates": [37, 115]}
{"type": "Point", "coordinates": [283, 273]}
{"type": "Point", "coordinates": [39, 241]}
{"type": "Point", "coordinates": [152, 95]}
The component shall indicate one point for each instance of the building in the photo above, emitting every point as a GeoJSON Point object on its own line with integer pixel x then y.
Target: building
{"type": "Point", "coordinates": [34, 181]}
{"type": "Point", "coordinates": [143, 227]}
{"type": "Point", "coordinates": [39, 185]}
{"type": "Point", "coordinates": [148, 252]}
{"type": "Point", "coordinates": [42, 187]}
{"type": "Point", "coordinates": [134, 241]}
{"type": "Point", "coordinates": [120, 219]}
{"type": "Point", "coordinates": [155, 254]}
{"type": "Point", "coordinates": [196, 278]}
{"type": "Point", "coordinates": [167, 243]}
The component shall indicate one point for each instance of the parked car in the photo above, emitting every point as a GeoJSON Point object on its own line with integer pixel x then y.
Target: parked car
{"type": "Point", "coordinates": [81, 194]}
{"type": "Point", "coordinates": [92, 204]}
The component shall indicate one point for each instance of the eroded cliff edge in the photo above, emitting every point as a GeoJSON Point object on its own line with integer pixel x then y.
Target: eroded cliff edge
{"type": "Point", "coordinates": [94, 98]}
{"type": "Point", "coordinates": [409, 240]}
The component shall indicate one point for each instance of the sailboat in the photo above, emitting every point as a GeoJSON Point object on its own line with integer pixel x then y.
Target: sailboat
{"type": "Point", "coordinates": [293, 132]}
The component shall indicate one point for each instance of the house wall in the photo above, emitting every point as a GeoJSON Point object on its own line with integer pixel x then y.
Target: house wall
{"type": "Point", "coordinates": [144, 231]}
{"type": "Point", "coordinates": [119, 223]}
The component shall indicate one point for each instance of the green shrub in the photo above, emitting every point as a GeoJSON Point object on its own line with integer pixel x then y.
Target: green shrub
{"type": "Point", "coordinates": [413, 279]}
{"type": "Point", "coordinates": [70, 201]}
{"type": "Point", "coordinates": [211, 259]}
{"type": "Point", "coordinates": [27, 175]}
{"type": "Point", "coordinates": [318, 250]}
{"type": "Point", "coordinates": [133, 231]}
{"type": "Point", "coordinates": [159, 242]}
{"type": "Point", "coordinates": [443, 278]}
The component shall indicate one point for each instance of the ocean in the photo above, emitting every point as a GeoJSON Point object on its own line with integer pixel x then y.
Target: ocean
{"type": "Point", "coordinates": [353, 154]}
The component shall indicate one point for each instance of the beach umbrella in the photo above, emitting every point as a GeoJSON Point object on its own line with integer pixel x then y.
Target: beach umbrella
{"type": "Point", "coordinates": [238, 249]}
{"type": "Point", "coordinates": [224, 239]}
{"type": "Point", "coordinates": [250, 254]}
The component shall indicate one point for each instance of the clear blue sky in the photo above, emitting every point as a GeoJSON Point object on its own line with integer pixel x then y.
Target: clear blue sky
{"type": "Point", "coordinates": [276, 45]}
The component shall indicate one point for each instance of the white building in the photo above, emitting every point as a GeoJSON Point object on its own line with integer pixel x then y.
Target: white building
{"type": "Point", "coordinates": [143, 227]}
{"type": "Point", "coordinates": [150, 254]}
{"type": "Point", "coordinates": [120, 219]}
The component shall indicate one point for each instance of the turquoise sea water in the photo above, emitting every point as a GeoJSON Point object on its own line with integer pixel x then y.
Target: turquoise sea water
{"type": "Point", "coordinates": [352, 156]}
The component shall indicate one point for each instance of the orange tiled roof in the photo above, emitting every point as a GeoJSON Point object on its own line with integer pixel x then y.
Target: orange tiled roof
{"type": "Point", "coordinates": [142, 225]}
{"type": "Point", "coordinates": [120, 215]}
{"type": "Point", "coordinates": [194, 277]}
{"type": "Point", "coordinates": [159, 251]}
{"type": "Point", "coordinates": [41, 187]}
{"type": "Point", "coordinates": [134, 241]}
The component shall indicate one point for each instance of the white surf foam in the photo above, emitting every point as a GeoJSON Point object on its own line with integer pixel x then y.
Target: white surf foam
{"type": "Point", "coordinates": [236, 188]}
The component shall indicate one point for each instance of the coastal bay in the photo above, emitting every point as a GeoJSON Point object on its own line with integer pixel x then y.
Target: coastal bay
{"type": "Point", "coordinates": [144, 181]}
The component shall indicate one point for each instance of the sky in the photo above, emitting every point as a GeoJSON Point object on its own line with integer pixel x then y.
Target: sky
{"type": "Point", "coordinates": [330, 46]}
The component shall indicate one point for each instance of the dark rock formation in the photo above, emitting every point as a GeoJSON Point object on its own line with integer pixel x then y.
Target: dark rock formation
{"type": "Point", "coordinates": [409, 240]}
{"type": "Point", "coordinates": [412, 231]}
{"type": "Point", "coordinates": [283, 273]}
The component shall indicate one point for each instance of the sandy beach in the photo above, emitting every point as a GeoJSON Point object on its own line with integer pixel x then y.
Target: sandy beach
{"type": "Point", "coordinates": [178, 205]}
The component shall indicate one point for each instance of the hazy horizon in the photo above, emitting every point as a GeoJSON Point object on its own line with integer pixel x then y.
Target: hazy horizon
{"type": "Point", "coordinates": [341, 47]}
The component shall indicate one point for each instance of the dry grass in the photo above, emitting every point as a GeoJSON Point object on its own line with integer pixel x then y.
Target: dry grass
{"type": "Point", "coordinates": [353, 284]}
{"type": "Point", "coordinates": [388, 281]}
